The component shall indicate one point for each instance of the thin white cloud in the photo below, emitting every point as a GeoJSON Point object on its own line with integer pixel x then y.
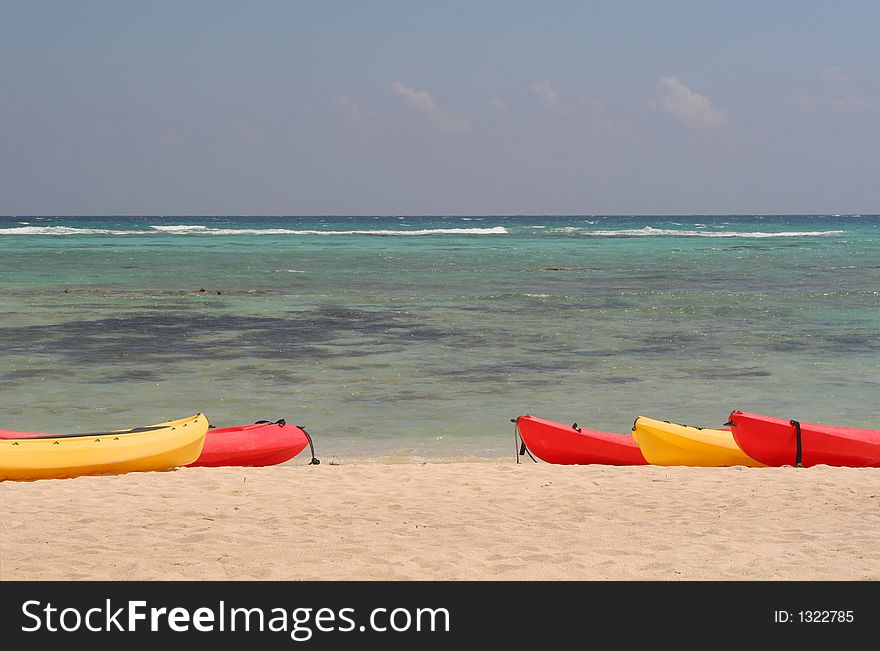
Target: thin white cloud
{"type": "Point", "coordinates": [805, 102]}
{"type": "Point", "coordinates": [354, 111]}
{"type": "Point", "coordinates": [850, 104]}
{"type": "Point", "coordinates": [498, 104]}
{"type": "Point", "coordinates": [582, 118]}
{"type": "Point", "coordinates": [834, 74]}
{"type": "Point", "coordinates": [686, 105]}
{"type": "Point", "coordinates": [837, 95]}
{"type": "Point", "coordinates": [421, 101]}
{"type": "Point", "coordinates": [551, 99]}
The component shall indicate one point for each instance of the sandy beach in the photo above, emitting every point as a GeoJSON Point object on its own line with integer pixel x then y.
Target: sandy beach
{"type": "Point", "coordinates": [446, 521]}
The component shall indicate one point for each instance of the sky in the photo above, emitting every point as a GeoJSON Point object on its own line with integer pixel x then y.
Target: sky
{"type": "Point", "coordinates": [197, 107]}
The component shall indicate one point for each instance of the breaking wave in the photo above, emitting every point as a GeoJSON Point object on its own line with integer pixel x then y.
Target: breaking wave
{"type": "Point", "coordinates": [649, 231]}
{"type": "Point", "coordinates": [183, 229]}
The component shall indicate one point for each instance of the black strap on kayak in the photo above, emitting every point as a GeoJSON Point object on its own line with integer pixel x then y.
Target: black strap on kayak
{"type": "Point", "coordinates": [520, 445]}
{"type": "Point", "coordinates": [314, 461]}
{"type": "Point", "coordinates": [799, 450]}
{"type": "Point", "coordinates": [281, 423]}
{"type": "Point", "coordinates": [520, 449]}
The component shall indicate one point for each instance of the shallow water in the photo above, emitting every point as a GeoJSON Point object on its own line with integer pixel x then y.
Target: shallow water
{"type": "Point", "coordinates": [420, 337]}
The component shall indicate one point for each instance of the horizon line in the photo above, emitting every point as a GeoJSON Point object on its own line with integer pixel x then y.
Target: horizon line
{"type": "Point", "coordinates": [456, 215]}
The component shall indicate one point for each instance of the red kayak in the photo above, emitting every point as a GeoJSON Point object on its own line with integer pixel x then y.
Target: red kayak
{"type": "Point", "coordinates": [783, 442]}
{"type": "Point", "coordinates": [260, 444]}
{"type": "Point", "coordinates": [570, 444]}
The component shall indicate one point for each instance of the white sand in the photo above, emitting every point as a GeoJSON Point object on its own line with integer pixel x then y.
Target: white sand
{"type": "Point", "coordinates": [495, 520]}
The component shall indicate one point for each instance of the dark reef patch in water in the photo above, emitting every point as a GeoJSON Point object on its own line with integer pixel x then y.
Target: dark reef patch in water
{"type": "Point", "coordinates": [851, 343]}
{"type": "Point", "coordinates": [132, 375]}
{"type": "Point", "coordinates": [505, 371]}
{"type": "Point", "coordinates": [729, 374]}
{"type": "Point", "coordinates": [594, 353]}
{"type": "Point", "coordinates": [786, 346]}
{"type": "Point", "coordinates": [657, 349]}
{"type": "Point", "coordinates": [387, 397]}
{"type": "Point", "coordinates": [620, 380]}
{"type": "Point", "coordinates": [277, 375]}
{"type": "Point", "coordinates": [158, 337]}
{"type": "Point", "coordinates": [36, 373]}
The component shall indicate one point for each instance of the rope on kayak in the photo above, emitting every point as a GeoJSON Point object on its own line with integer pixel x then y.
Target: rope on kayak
{"type": "Point", "coordinates": [518, 443]}
{"type": "Point", "coordinates": [799, 450]}
{"type": "Point", "coordinates": [314, 461]}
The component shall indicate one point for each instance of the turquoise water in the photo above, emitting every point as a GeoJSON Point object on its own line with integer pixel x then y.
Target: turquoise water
{"type": "Point", "coordinates": [407, 338]}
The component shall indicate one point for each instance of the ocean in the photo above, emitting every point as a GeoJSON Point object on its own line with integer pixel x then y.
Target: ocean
{"type": "Point", "coordinates": [399, 338]}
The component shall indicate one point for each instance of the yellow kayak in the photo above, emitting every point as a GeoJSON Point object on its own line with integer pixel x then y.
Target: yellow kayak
{"type": "Point", "coordinates": [667, 444]}
{"type": "Point", "coordinates": [27, 456]}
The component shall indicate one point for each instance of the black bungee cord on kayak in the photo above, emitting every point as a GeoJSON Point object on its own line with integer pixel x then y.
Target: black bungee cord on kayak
{"type": "Point", "coordinates": [521, 449]}
{"type": "Point", "coordinates": [281, 423]}
{"type": "Point", "coordinates": [799, 450]}
{"type": "Point", "coordinates": [133, 430]}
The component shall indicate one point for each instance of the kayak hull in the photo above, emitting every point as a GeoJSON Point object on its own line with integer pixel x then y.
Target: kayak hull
{"type": "Point", "coordinates": [563, 444]}
{"type": "Point", "coordinates": [774, 441]}
{"type": "Point", "coordinates": [667, 444]}
{"type": "Point", "coordinates": [31, 456]}
{"type": "Point", "coordinates": [256, 444]}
